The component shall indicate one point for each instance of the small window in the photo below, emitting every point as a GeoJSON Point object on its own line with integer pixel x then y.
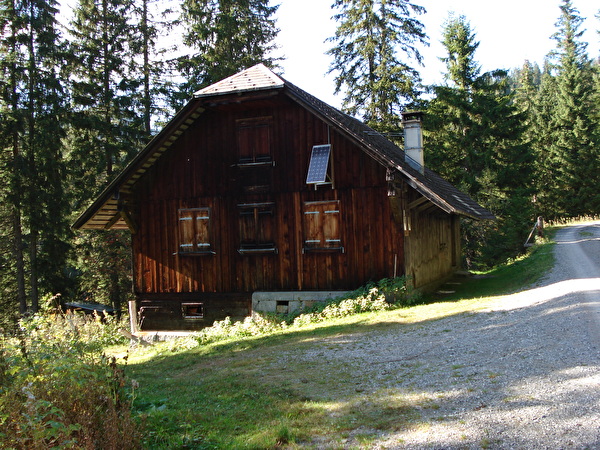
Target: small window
{"type": "Point", "coordinates": [254, 141]}
{"type": "Point", "coordinates": [257, 228]}
{"type": "Point", "coordinates": [195, 231]}
{"type": "Point", "coordinates": [318, 168]}
{"type": "Point", "coordinates": [192, 311]}
{"type": "Point", "coordinates": [255, 179]}
{"type": "Point", "coordinates": [322, 226]}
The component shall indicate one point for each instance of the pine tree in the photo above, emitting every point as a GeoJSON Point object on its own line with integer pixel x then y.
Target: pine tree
{"type": "Point", "coordinates": [573, 153]}
{"type": "Point", "coordinates": [377, 82]}
{"type": "Point", "coordinates": [226, 37]}
{"type": "Point", "coordinates": [475, 138]}
{"type": "Point", "coordinates": [33, 106]}
{"type": "Point", "coordinates": [107, 129]}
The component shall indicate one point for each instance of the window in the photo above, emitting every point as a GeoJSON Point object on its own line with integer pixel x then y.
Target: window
{"type": "Point", "coordinates": [254, 141]}
{"type": "Point", "coordinates": [192, 311]}
{"type": "Point", "coordinates": [256, 228]}
{"type": "Point", "coordinates": [318, 168]}
{"type": "Point", "coordinates": [322, 226]}
{"type": "Point", "coordinates": [194, 231]}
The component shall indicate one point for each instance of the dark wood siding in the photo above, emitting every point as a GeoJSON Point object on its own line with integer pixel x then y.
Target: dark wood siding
{"type": "Point", "coordinates": [202, 170]}
{"type": "Point", "coordinates": [432, 240]}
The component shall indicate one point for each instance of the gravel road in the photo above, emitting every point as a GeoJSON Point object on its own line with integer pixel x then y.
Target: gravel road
{"type": "Point", "coordinates": [523, 374]}
{"type": "Point", "coordinates": [526, 373]}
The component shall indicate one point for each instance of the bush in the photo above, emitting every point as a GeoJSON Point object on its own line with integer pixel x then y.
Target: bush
{"type": "Point", "coordinates": [387, 294]}
{"type": "Point", "coordinates": [58, 391]}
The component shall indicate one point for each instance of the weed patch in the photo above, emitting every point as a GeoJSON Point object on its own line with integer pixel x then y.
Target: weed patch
{"type": "Point", "coordinates": [58, 391]}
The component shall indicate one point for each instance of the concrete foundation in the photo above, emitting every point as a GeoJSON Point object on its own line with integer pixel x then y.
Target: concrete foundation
{"type": "Point", "coordinates": [290, 301]}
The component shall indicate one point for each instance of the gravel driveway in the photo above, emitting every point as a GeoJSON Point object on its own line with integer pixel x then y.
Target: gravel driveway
{"type": "Point", "coordinates": [524, 373]}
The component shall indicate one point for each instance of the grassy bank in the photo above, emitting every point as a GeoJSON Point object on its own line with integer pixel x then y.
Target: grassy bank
{"type": "Point", "coordinates": [252, 392]}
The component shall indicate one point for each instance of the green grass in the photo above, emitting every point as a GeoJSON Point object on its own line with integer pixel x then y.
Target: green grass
{"type": "Point", "coordinates": [523, 271]}
{"type": "Point", "coordinates": [258, 393]}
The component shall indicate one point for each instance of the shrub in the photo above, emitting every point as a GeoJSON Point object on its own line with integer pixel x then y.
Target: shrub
{"type": "Point", "coordinates": [387, 294]}
{"type": "Point", "coordinates": [254, 325]}
{"type": "Point", "coordinates": [58, 391]}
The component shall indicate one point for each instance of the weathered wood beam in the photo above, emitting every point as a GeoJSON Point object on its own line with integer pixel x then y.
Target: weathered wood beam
{"type": "Point", "coordinates": [417, 202]}
{"type": "Point", "coordinates": [112, 221]}
{"type": "Point", "coordinates": [129, 221]}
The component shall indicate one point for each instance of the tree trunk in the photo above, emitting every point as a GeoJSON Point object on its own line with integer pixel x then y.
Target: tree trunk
{"type": "Point", "coordinates": [19, 260]}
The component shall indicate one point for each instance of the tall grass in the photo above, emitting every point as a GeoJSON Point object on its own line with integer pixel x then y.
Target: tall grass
{"type": "Point", "coordinates": [57, 389]}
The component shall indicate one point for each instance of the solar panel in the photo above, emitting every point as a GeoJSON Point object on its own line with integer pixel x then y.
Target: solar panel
{"type": "Point", "coordinates": [319, 160]}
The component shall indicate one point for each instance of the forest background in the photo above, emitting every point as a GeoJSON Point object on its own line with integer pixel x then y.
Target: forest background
{"type": "Point", "coordinates": [79, 100]}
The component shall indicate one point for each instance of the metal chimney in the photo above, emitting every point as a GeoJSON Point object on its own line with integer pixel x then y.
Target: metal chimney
{"type": "Point", "coordinates": [413, 140]}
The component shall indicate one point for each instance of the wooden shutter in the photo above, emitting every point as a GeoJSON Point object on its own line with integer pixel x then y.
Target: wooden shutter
{"type": "Point", "coordinates": [254, 140]}
{"type": "Point", "coordinates": [313, 236]}
{"type": "Point", "coordinates": [256, 227]}
{"type": "Point", "coordinates": [331, 225]}
{"type": "Point", "coordinates": [248, 225]}
{"type": "Point", "coordinates": [322, 225]}
{"type": "Point", "coordinates": [194, 230]}
{"type": "Point", "coordinates": [203, 229]}
{"type": "Point", "coordinates": [186, 230]}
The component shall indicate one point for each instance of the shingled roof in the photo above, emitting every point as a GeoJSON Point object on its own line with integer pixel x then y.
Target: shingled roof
{"type": "Point", "coordinates": [105, 211]}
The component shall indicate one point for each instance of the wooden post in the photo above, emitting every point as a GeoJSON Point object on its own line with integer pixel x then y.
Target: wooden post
{"type": "Point", "coordinates": [540, 226]}
{"type": "Point", "coordinates": [133, 317]}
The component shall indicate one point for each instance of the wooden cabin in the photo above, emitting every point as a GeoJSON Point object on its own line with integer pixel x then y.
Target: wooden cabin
{"type": "Point", "coordinates": [256, 186]}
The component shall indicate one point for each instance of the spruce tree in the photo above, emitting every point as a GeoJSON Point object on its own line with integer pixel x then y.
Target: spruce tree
{"type": "Point", "coordinates": [372, 45]}
{"type": "Point", "coordinates": [225, 36]}
{"type": "Point", "coordinates": [543, 135]}
{"type": "Point", "coordinates": [573, 153]}
{"type": "Point", "coordinates": [12, 126]}
{"type": "Point", "coordinates": [150, 24]}
{"type": "Point", "coordinates": [475, 138]}
{"type": "Point", "coordinates": [107, 130]}
{"type": "Point", "coordinates": [33, 109]}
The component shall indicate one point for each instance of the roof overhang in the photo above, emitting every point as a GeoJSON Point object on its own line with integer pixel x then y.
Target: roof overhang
{"type": "Point", "coordinates": [108, 210]}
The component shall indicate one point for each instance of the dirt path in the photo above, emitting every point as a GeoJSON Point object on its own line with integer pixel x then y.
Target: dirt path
{"type": "Point", "coordinates": [524, 373]}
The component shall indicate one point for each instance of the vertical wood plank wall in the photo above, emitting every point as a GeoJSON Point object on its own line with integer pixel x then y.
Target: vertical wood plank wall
{"type": "Point", "coordinates": [432, 245]}
{"type": "Point", "coordinates": [200, 171]}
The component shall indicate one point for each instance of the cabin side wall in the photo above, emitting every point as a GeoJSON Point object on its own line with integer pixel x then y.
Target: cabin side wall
{"type": "Point", "coordinates": [432, 242]}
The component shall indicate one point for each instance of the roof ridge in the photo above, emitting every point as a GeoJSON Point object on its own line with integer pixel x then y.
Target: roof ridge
{"type": "Point", "coordinates": [255, 78]}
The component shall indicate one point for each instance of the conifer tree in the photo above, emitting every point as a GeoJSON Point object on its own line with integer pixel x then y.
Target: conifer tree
{"type": "Point", "coordinates": [104, 88]}
{"type": "Point", "coordinates": [12, 124]}
{"type": "Point", "coordinates": [107, 130]}
{"type": "Point", "coordinates": [226, 36]}
{"type": "Point", "coordinates": [475, 140]}
{"type": "Point", "coordinates": [526, 85]}
{"type": "Point", "coordinates": [150, 23]}
{"type": "Point", "coordinates": [573, 153]}
{"type": "Point", "coordinates": [32, 108]}
{"type": "Point", "coordinates": [372, 44]}
{"type": "Point", "coordinates": [543, 135]}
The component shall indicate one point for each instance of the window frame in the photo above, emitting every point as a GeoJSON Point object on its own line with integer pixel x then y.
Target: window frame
{"type": "Point", "coordinates": [257, 214]}
{"type": "Point", "coordinates": [186, 308]}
